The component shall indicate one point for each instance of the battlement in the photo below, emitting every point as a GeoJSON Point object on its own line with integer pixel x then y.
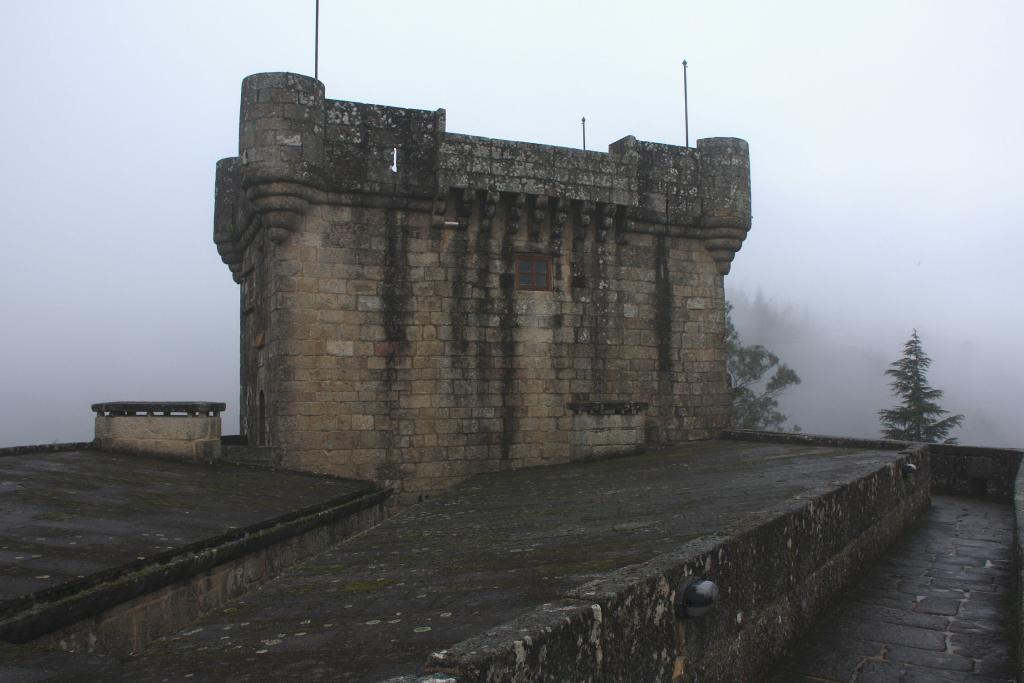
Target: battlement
{"type": "Point", "coordinates": [298, 149]}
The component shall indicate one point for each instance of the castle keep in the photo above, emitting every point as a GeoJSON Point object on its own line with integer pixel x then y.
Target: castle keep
{"type": "Point", "coordinates": [418, 306]}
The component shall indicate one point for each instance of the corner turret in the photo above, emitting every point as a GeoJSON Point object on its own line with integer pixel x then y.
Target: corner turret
{"type": "Point", "coordinates": [725, 197]}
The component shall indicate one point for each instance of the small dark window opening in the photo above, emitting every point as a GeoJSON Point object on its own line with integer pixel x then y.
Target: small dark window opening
{"type": "Point", "coordinates": [533, 273]}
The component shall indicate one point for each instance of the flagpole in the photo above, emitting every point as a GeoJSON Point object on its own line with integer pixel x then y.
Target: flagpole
{"type": "Point", "coordinates": [316, 44]}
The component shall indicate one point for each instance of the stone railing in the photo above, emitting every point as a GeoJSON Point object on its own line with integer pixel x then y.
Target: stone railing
{"type": "Point", "coordinates": [183, 429]}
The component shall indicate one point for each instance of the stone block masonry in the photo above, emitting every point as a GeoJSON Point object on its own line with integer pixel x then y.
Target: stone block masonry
{"type": "Point", "coordinates": [189, 430]}
{"type": "Point", "coordinates": [419, 306]}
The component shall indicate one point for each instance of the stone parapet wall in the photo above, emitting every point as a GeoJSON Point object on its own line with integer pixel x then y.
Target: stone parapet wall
{"type": "Point", "coordinates": [47, 448]}
{"type": "Point", "coordinates": [776, 579]}
{"type": "Point", "coordinates": [955, 469]}
{"type": "Point", "coordinates": [974, 471]}
{"type": "Point", "coordinates": [119, 612]}
{"type": "Point", "coordinates": [298, 149]}
{"type": "Point", "coordinates": [185, 430]}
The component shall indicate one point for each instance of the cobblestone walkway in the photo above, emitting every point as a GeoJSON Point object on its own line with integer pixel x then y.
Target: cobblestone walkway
{"type": "Point", "coordinates": [936, 608]}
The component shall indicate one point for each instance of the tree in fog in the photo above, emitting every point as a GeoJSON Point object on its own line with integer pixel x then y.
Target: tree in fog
{"type": "Point", "coordinates": [918, 417]}
{"type": "Point", "coordinates": [756, 379]}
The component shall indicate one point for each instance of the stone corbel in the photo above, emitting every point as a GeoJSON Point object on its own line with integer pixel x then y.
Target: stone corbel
{"type": "Point", "coordinates": [490, 203]}
{"type": "Point", "coordinates": [540, 209]}
{"type": "Point", "coordinates": [559, 219]}
{"type": "Point", "coordinates": [490, 206]}
{"type": "Point", "coordinates": [587, 212]}
{"type": "Point", "coordinates": [230, 255]}
{"type": "Point", "coordinates": [466, 200]}
{"type": "Point", "coordinates": [606, 222]}
{"type": "Point", "coordinates": [515, 212]}
{"type": "Point", "coordinates": [280, 208]}
{"type": "Point", "coordinates": [722, 244]}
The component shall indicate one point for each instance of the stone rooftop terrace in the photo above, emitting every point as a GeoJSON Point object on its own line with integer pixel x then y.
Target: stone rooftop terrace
{"type": "Point", "coordinates": [70, 515]}
{"type": "Point", "coordinates": [491, 549]}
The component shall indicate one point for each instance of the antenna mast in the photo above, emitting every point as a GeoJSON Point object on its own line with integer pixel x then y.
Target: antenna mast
{"type": "Point", "coordinates": [686, 107]}
{"type": "Point", "coordinates": [316, 44]}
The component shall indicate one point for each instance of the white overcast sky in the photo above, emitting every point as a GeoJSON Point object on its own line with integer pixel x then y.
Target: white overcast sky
{"type": "Point", "coordinates": [886, 142]}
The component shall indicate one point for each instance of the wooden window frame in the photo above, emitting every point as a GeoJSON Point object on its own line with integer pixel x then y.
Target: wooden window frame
{"type": "Point", "coordinates": [533, 286]}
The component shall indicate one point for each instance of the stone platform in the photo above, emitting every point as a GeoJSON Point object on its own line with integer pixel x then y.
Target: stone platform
{"type": "Point", "coordinates": [453, 572]}
{"type": "Point", "coordinates": [83, 531]}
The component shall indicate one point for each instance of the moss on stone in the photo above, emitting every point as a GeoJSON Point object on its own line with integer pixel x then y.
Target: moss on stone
{"type": "Point", "coordinates": [367, 586]}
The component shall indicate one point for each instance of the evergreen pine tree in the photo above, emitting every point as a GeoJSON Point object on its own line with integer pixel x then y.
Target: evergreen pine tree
{"type": "Point", "coordinates": [919, 417]}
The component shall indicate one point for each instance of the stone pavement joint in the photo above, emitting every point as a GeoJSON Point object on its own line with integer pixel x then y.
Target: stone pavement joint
{"type": "Point", "coordinates": [938, 607]}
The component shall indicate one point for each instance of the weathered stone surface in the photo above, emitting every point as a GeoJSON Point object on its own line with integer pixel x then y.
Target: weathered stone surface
{"type": "Point", "coordinates": [383, 336]}
{"type": "Point", "coordinates": [918, 632]}
{"type": "Point", "coordinates": [74, 518]}
{"type": "Point", "coordinates": [969, 471]}
{"type": "Point", "coordinates": [189, 430]}
{"type": "Point", "coordinates": [472, 582]}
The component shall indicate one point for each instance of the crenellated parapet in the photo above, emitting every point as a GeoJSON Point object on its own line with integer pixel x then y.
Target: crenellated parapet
{"type": "Point", "coordinates": [298, 150]}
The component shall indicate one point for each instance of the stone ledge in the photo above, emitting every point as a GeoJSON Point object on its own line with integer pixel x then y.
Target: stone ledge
{"type": "Point", "coordinates": [158, 408]}
{"type": "Point", "coordinates": [48, 448]}
{"type": "Point", "coordinates": [813, 439]}
{"type": "Point", "coordinates": [955, 469]}
{"type": "Point", "coordinates": [608, 407]}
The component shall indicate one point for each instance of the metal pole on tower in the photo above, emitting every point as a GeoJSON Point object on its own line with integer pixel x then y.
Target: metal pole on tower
{"type": "Point", "coordinates": [316, 44]}
{"type": "Point", "coordinates": [686, 106]}
{"type": "Point", "coordinates": [583, 121]}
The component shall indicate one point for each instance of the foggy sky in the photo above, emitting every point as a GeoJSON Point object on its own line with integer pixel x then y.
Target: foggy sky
{"type": "Point", "coordinates": [885, 144]}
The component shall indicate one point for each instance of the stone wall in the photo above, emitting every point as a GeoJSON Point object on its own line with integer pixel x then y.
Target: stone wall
{"type": "Point", "coordinates": [957, 470]}
{"type": "Point", "coordinates": [189, 430]}
{"type": "Point", "coordinates": [776, 581]}
{"type": "Point", "coordinates": [383, 334]}
{"type": "Point", "coordinates": [974, 471]}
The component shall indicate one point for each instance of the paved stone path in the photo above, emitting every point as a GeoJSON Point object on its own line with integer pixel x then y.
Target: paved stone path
{"type": "Point", "coordinates": [936, 608]}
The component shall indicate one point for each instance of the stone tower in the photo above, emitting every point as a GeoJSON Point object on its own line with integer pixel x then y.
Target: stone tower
{"type": "Point", "coordinates": [418, 306]}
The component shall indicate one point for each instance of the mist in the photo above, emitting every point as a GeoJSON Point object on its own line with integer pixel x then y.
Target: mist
{"type": "Point", "coordinates": [885, 146]}
{"type": "Point", "coordinates": [842, 371]}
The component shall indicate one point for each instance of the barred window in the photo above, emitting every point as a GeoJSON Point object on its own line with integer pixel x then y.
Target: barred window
{"type": "Point", "coordinates": [533, 272]}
